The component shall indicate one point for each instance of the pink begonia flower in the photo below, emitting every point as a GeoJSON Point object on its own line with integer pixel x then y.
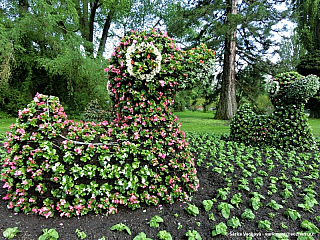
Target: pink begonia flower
{"type": "Point", "coordinates": [78, 150]}
{"type": "Point", "coordinates": [48, 214]}
{"type": "Point", "coordinates": [162, 83]}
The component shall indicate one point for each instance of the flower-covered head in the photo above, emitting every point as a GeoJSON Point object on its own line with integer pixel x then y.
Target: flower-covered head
{"type": "Point", "coordinates": [291, 87]}
{"type": "Point", "coordinates": [149, 65]}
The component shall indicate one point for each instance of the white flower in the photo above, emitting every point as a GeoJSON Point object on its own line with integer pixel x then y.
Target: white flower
{"type": "Point", "coordinates": [141, 47]}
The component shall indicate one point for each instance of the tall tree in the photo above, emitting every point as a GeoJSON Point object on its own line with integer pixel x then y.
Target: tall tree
{"type": "Point", "coordinates": [216, 22]}
{"type": "Point", "coordinates": [307, 15]}
{"type": "Point", "coordinates": [58, 47]}
{"type": "Point", "coordinates": [227, 104]}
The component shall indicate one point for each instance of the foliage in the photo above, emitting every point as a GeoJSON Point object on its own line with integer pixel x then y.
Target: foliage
{"type": "Point", "coordinates": [293, 214]}
{"type": "Point", "coordinates": [234, 222]}
{"type": "Point", "coordinates": [207, 205]}
{"type": "Point", "coordinates": [48, 55]}
{"type": "Point", "coordinates": [141, 236]}
{"type": "Point", "coordinates": [142, 156]}
{"type": "Point", "coordinates": [193, 235]}
{"type": "Point", "coordinates": [287, 126]}
{"type": "Point", "coordinates": [219, 229]}
{"type": "Point", "coordinates": [192, 209]}
{"type": "Point", "coordinates": [274, 165]}
{"type": "Point", "coordinates": [248, 214]}
{"type": "Point", "coordinates": [50, 234]}
{"type": "Point", "coordinates": [264, 225]}
{"type": "Point", "coordinates": [95, 112]}
{"type": "Point", "coordinates": [306, 14]}
{"type": "Point", "coordinates": [310, 227]}
{"type": "Point", "coordinates": [10, 233]}
{"type": "Point", "coordinates": [81, 234]}
{"type": "Point", "coordinates": [164, 235]}
{"type": "Point", "coordinates": [309, 64]}
{"type": "Point", "coordinates": [121, 227]}
{"type": "Point", "coordinates": [154, 222]}
{"type": "Point", "coordinates": [225, 209]}
{"type": "Point", "coordinates": [212, 22]}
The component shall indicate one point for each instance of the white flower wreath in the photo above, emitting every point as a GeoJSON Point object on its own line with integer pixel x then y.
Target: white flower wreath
{"type": "Point", "coordinates": [141, 47]}
{"type": "Point", "coordinates": [274, 88]}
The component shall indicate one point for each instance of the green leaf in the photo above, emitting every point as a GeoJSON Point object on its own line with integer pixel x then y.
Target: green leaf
{"type": "Point", "coordinates": [192, 209]}
{"type": "Point", "coordinates": [10, 233]}
{"type": "Point", "coordinates": [220, 228]}
{"type": "Point", "coordinates": [193, 235]}
{"type": "Point", "coordinates": [121, 227]}
{"type": "Point", "coordinates": [154, 222]}
{"type": "Point", "coordinates": [164, 235]}
{"type": "Point", "coordinates": [225, 209]}
{"type": "Point", "coordinates": [207, 205]}
{"type": "Point", "coordinates": [141, 236]}
{"type": "Point", "coordinates": [50, 234]}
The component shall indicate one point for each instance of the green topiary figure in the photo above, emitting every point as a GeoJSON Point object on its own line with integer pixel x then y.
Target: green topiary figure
{"type": "Point", "coordinates": [141, 157]}
{"type": "Point", "coordinates": [287, 126]}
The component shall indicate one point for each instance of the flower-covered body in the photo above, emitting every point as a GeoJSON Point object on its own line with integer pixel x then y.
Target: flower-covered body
{"type": "Point", "coordinates": [287, 126]}
{"type": "Point", "coordinates": [141, 157]}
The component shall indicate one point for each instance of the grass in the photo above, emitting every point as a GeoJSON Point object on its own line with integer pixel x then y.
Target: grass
{"type": "Point", "coordinates": [5, 124]}
{"type": "Point", "coordinates": [315, 126]}
{"type": "Point", "coordinates": [197, 122]}
{"type": "Point", "coordinates": [201, 122]}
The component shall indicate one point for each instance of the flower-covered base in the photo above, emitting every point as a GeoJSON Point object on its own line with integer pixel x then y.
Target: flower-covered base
{"type": "Point", "coordinates": [57, 165]}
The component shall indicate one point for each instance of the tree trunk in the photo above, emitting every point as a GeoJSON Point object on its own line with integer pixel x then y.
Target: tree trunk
{"type": "Point", "coordinates": [227, 104]}
{"type": "Point", "coordinates": [105, 31]}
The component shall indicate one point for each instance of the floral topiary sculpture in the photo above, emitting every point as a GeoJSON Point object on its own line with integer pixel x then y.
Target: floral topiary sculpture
{"type": "Point", "coordinates": [287, 126]}
{"type": "Point", "coordinates": [142, 157]}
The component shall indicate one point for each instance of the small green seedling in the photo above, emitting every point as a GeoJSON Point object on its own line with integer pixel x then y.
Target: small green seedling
{"type": "Point", "coordinates": [207, 205]}
{"type": "Point", "coordinates": [50, 234]}
{"type": "Point", "coordinates": [264, 225]}
{"type": "Point", "coordinates": [305, 224]}
{"type": "Point", "coordinates": [293, 214]}
{"type": "Point", "coordinates": [164, 235]}
{"type": "Point", "coordinates": [234, 222]}
{"type": "Point", "coordinates": [211, 217]}
{"type": "Point", "coordinates": [193, 235]}
{"type": "Point", "coordinates": [284, 226]}
{"type": "Point", "coordinates": [81, 234]}
{"type": "Point", "coordinates": [154, 222]}
{"type": "Point", "coordinates": [192, 209]}
{"type": "Point", "coordinates": [219, 229]}
{"type": "Point", "coordinates": [248, 214]}
{"type": "Point", "coordinates": [141, 236]}
{"type": "Point", "coordinates": [225, 209]}
{"type": "Point", "coordinates": [236, 199]}
{"type": "Point", "coordinates": [121, 227]}
{"type": "Point", "coordinates": [274, 205]}
{"type": "Point", "coordinates": [10, 233]}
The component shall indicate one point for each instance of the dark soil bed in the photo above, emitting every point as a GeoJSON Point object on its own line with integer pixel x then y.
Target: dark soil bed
{"type": "Point", "coordinates": [176, 220]}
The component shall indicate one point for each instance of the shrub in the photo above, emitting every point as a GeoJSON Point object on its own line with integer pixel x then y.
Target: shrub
{"type": "Point", "coordinates": [141, 157]}
{"type": "Point", "coordinates": [287, 126]}
{"type": "Point", "coordinates": [95, 113]}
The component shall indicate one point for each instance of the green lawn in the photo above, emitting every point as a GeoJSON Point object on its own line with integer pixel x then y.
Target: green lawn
{"type": "Point", "coordinates": [202, 122]}
{"type": "Point", "coordinates": [315, 126]}
{"type": "Point", "coordinates": [5, 123]}
{"type": "Point", "coordinates": [191, 122]}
